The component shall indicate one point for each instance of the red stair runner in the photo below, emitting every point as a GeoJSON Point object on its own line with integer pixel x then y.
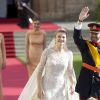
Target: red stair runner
{"type": "Point", "coordinates": [9, 44]}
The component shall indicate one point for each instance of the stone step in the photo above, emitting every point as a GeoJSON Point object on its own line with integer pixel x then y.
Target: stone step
{"type": "Point", "coordinates": [20, 41]}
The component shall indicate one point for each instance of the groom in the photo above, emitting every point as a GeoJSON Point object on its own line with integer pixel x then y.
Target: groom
{"type": "Point", "coordinates": [88, 85]}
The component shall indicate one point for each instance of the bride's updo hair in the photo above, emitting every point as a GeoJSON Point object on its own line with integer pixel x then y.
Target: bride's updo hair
{"type": "Point", "coordinates": [62, 30]}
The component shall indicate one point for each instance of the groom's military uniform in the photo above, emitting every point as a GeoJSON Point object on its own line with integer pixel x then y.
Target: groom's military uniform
{"type": "Point", "coordinates": [88, 83]}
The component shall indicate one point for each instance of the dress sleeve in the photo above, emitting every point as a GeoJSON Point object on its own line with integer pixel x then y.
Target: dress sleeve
{"type": "Point", "coordinates": [71, 75]}
{"type": "Point", "coordinates": [44, 41]}
{"type": "Point", "coordinates": [42, 60]}
{"type": "Point", "coordinates": [70, 69]}
{"type": "Point", "coordinates": [27, 45]}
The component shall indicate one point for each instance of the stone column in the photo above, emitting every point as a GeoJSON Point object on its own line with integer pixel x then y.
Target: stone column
{"type": "Point", "coordinates": [44, 9]}
{"type": "Point", "coordinates": [36, 6]}
{"type": "Point", "coordinates": [73, 7]}
{"type": "Point", "coordinates": [61, 9]}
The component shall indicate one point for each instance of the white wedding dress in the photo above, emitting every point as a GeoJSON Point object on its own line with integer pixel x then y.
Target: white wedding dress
{"type": "Point", "coordinates": [55, 81]}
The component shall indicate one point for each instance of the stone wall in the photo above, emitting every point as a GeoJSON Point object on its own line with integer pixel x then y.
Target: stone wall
{"type": "Point", "coordinates": [62, 9]}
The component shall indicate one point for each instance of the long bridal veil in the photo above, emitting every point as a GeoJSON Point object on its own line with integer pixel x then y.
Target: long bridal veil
{"type": "Point", "coordinates": [30, 90]}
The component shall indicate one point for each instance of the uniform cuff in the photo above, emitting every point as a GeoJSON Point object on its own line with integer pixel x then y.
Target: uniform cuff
{"type": "Point", "coordinates": [78, 25]}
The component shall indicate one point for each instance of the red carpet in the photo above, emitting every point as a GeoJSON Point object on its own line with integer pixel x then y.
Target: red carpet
{"type": "Point", "coordinates": [14, 79]}
{"type": "Point", "coordinates": [9, 44]}
{"type": "Point", "coordinates": [10, 25]}
{"type": "Point", "coordinates": [49, 26]}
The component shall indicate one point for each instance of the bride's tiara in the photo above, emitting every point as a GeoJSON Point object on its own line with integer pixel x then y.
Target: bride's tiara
{"type": "Point", "coordinates": [62, 30]}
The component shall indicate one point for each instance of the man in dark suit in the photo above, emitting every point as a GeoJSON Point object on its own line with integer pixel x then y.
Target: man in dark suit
{"type": "Point", "coordinates": [88, 84]}
{"type": "Point", "coordinates": [23, 13]}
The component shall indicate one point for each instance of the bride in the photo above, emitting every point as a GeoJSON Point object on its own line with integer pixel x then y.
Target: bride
{"type": "Point", "coordinates": [54, 77]}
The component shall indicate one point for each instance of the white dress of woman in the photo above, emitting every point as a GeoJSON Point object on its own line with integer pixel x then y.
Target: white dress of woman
{"type": "Point", "coordinates": [57, 70]}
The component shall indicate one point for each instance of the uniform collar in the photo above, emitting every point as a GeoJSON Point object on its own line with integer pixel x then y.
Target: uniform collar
{"type": "Point", "coordinates": [96, 44]}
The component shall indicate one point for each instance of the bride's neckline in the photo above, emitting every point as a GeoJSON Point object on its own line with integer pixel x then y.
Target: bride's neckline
{"type": "Point", "coordinates": [58, 51]}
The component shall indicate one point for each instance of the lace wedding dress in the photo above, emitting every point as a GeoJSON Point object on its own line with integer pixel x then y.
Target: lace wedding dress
{"type": "Point", "coordinates": [58, 67]}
